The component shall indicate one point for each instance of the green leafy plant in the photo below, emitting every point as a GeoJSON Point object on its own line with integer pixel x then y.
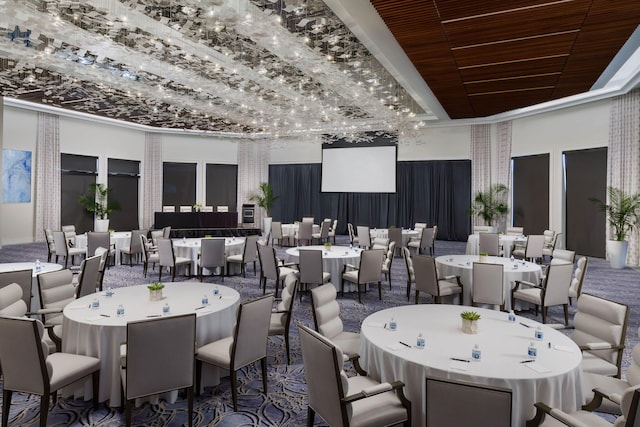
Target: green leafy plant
{"type": "Point", "coordinates": [623, 211]}
{"type": "Point", "coordinates": [470, 315]}
{"type": "Point", "coordinates": [98, 200]}
{"type": "Point", "coordinates": [265, 197]}
{"type": "Point", "coordinates": [197, 207]}
{"type": "Point", "coordinates": [327, 244]}
{"type": "Point", "coordinates": [490, 205]}
{"type": "Point", "coordinates": [155, 286]}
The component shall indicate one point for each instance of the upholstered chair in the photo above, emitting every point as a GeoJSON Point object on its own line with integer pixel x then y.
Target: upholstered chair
{"type": "Point", "coordinates": [428, 280]}
{"type": "Point", "coordinates": [311, 270]}
{"type": "Point", "coordinates": [24, 278]}
{"type": "Point", "coordinates": [134, 248]}
{"type": "Point", "coordinates": [212, 256]}
{"type": "Point", "coordinates": [489, 243]}
{"type": "Point", "coordinates": [533, 249]}
{"type": "Point", "coordinates": [411, 275]}
{"type": "Point", "coordinates": [364, 236]}
{"type": "Point", "coordinates": [281, 316]}
{"type": "Point", "coordinates": [575, 290]}
{"type": "Point", "coordinates": [56, 290]}
{"type": "Point", "coordinates": [388, 262]}
{"type": "Point", "coordinates": [353, 238]}
{"type": "Point", "coordinates": [11, 302]}
{"type": "Point", "coordinates": [249, 254]}
{"type": "Point", "coordinates": [89, 276]}
{"type": "Point", "coordinates": [51, 245]}
{"type": "Point", "coordinates": [305, 233]}
{"type": "Point", "coordinates": [488, 284]}
{"type": "Point", "coordinates": [368, 271]}
{"type": "Point", "coordinates": [333, 230]}
{"type": "Point", "coordinates": [63, 250]}
{"type": "Point", "coordinates": [425, 242]}
{"type": "Point", "coordinates": [101, 239]}
{"type": "Point", "coordinates": [148, 257]}
{"type": "Point", "coordinates": [271, 269]}
{"type": "Point", "coordinates": [168, 259]}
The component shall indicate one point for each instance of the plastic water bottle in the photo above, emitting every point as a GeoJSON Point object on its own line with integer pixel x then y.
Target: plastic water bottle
{"type": "Point", "coordinates": [216, 291]}
{"type": "Point", "coordinates": [205, 299]}
{"type": "Point", "coordinates": [120, 310]}
{"type": "Point", "coordinates": [392, 324]}
{"type": "Point", "coordinates": [476, 354]}
{"type": "Point", "coordinates": [420, 341]}
{"type": "Point", "coordinates": [512, 258]}
{"type": "Point", "coordinates": [532, 351]}
{"type": "Point", "coordinates": [38, 266]}
{"type": "Point", "coordinates": [165, 308]}
{"type": "Point", "coordinates": [539, 334]}
{"type": "Point", "coordinates": [95, 304]}
{"type": "Point", "coordinates": [351, 246]}
{"type": "Point", "coordinates": [512, 316]}
{"type": "Point", "coordinates": [109, 292]}
{"type": "Point", "coordinates": [184, 239]}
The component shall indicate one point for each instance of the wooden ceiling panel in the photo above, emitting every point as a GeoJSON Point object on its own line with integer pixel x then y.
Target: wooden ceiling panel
{"type": "Point", "coordinates": [514, 70]}
{"type": "Point", "coordinates": [547, 81]}
{"type": "Point", "coordinates": [487, 105]}
{"type": "Point", "coordinates": [456, 9]}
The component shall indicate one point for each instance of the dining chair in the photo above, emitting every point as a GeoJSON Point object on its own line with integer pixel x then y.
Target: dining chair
{"type": "Point", "coordinates": [368, 271]}
{"type": "Point", "coordinates": [563, 255]}
{"type": "Point", "coordinates": [476, 404]}
{"type": "Point", "coordinates": [271, 268]}
{"type": "Point", "coordinates": [186, 208]}
{"type": "Point", "coordinates": [249, 254]}
{"type": "Point", "coordinates": [550, 239]}
{"type": "Point", "coordinates": [69, 234]}
{"type": "Point", "coordinates": [51, 245]}
{"type": "Point", "coordinates": [311, 269]}
{"type": "Point", "coordinates": [63, 249]}
{"type": "Point", "coordinates": [388, 262]}
{"type": "Point", "coordinates": [554, 290]}
{"type": "Point", "coordinates": [347, 401]}
{"type": "Point", "coordinates": [489, 243]}
{"type": "Point", "coordinates": [575, 290]}
{"type": "Point", "coordinates": [353, 238]}
{"type": "Point", "coordinates": [428, 280]}
{"type": "Point", "coordinates": [167, 258]}
{"type": "Point", "coordinates": [477, 229]}
{"type": "Point", "coordinates": [411, 275]}
{"type": "Point", "coordinates": [424, 242]}
{"type": "Point", "coordinates": [395, 235]}
{"type": "Point", "coordinates": [304, 233]}
{"type": "Point", "coordinates": [144, 373]}
{"type": "Point", "coordinates": [419, 225]}
{"type": "Point", "coordinates": [364, 236]}
{"type": "Point", "coordinates": [276, 233]}
{"type": "Point", "coordinates": [28, 368]}
{"type": "Point", "coordinates": [247, 345]}
{"type": "Point", "coordinates": [135, 247]}
{"type": "Point", "coordinates": [56, 290]}
{"type": "Point", "coordinates": [533, 249]}
{"type": "Point", "coordinates": [24, 278]}
{"type": "Point", "coordinates": [488, 285]}
{"type": "Point", "coordinates": [103, 266]}
{"type": "Point", "coordinates": [89, 276]}
{"type": "Point", "coordinates": [147, 257]}
{"type": "Point", "coordinates": [308, 219]}
{"type": "Point", "coordinates": [380, 243]}
{"type": "Point", "coordinates": [212, 256]}
{"type": "Point", "coordinates": [323, 235]}
{"type": "Point", "coordinates": [515, 231]}
{"type": "Point", "coordinates": [166, 232]}
{"type": "Point", "coordinates": [333, 230]}
{"type": "Point", "coordinates": [281, 316]}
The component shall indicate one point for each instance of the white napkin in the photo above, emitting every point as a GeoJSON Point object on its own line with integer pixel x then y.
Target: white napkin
{"type": "Point", "coordinates": [563, 348]}
{"type": "Point", "coordinates": [459, 365]}
{"type": "Point", "coordinates": [395, 346]}
{"type": "Point", "coordinates": [537, 367]}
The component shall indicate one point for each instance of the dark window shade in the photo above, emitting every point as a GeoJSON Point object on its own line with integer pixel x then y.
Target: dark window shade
{"type": "Point", "coordinates": [178, 184]}
{"type": "Point", "coordinates": [77, 172]}
{"type": "Point", "coordinates": [586, 177]}
{"type": "Point", "coordinates": [531, 193]}
{"type": "Point", "coordinates": [124, 182]}
{"type": "Point", "coordinates": [78, 164]}
{"type": "Point", "coordinates": [222, 186]}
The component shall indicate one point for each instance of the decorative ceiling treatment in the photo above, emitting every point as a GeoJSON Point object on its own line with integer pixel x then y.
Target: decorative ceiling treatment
{"type": "Point", "coordinates": [256, 69]}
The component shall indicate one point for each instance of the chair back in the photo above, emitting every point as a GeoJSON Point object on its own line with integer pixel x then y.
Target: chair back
{"type": "Point", "coordinates": [323, 370]}
{"type": "Point", "coordinates": [212, 253]}
{"type": "Point", "coordinates": [601, 320]}
{"type": "Point", "coordinates": [276, 231]}
{"type": "Point", "coordinates": [534, 246]}
{"type": "Point", "coordinates": [477, 229]}
{"type": "Point", "coordinates": [557, 282]}
{"type": "Point", "coordinates": [630, 406]}
{"type": "Point", "coordinates": [364, 236]}
{"type": "Point", "coordinates": [310, 265]}
{"type": "Point", "coordinates": [23, 355]}
{"type": "Point", "coordinates": [578, 277]}
{"type": "Point", "coordinates": [89, 276]}
{"type": "Point", "coordinates": [426, 238]}
{"type": "Point", "coordinates": [390, 252]}
{"type": "Point", "coordinates": [515, 231]}
{"type": "Point", "coordinates": [408, 262]}
{"type": "Point", "coordinates": [165, 253]}
{"type": "Point", "coordinates": [324, 229]}
{"type": "Point", "coordinates": [307, 219]}
{"type": "Point", "coordinates": [61, 243]}
{"type": "Point", "coordinates": [98, 239]}
{"type": "Point", "coordinates": [352, 234]}
{"type": "Point", "coordinates": [134, 244]}
{"type": "Point", "coordinates": [426, 274]}
{"type": "Point", "coordinates": [250, 252]}
{"type": "Point", "coordinates": [168, 208]}
{"type": "Point", "coordinates": [326, 311]}
{"type": "Point", "coordinates": [488, 283]}
{"type": "Point", "coordinates": [173, 337]}
{"type": "Point", "coordinates": [549, 238]}
{"type": "Point", "coordinates": [166, 232]}
{"type": "Point", "coordinates": [268, 262]}
{"type": "Point", "coordinates": [23, 278]}
{"type": "Point", "coordinates": [186, 208]}
{"type": "Point", "coordinates": [69, 234]}
{"type": "Point", "coordinates": [56, 291]}
{"type": "Point", "coordinates": [419, 226]}
{"type": "Point", "coordinates": [222, 208]}
{"type": "Point", "coordinates": [370, 269]}
{"type": "Point", "coordinates": [103, 264]}
{"type": "Point", "coordinates": [144, 243]}
{"type": "Point", "coordinates": [48, 236]}
{"type": "Point", "coordinates": [563, 256]}
{"type": "Point", "coordinates": [489, 243]}
{"type": "Point", "coordinates": [11, 302]}
{"type": "Point", "coordinates": [155, 235]}
{"type": "Point", "coordinates": [395, 235]}
{"type": "Point", "coordinates": [334, 226]}
{"type": "Point", "coordinates": [251, 331]}
{"type": "Point", "coordinates": [287, 297]}
{"type": "Point", "coordinates": [305, 230]}
{"type": "Point", "coordinates": [476, 405]}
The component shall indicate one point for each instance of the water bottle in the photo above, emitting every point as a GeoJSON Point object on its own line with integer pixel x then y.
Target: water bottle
{"type": "Point", "coordinates": [512, 316]}
{"type": "Point", "coordinates": [512, 259]}
{"type": "Point", "coordinates": [216, 291]}
{"type": "Point", "coordinates": [184, 239]}
{"type": "Point", "coordinates": [120, 310]}
{"type": "Point", "coordinates": [109, 292]}
{"type": "Point", "coordinates": [392, 324]}
{"type": "Point", "coordinates": [205, 300]}
{"type": "Point", "coordinates": [539, 334]}
{"type": "Point", "coordinates": [420, 341]}
{"type": "Point", "coordinates": [95, 304]}
{"type": "Point", "coordinates": [476, 354]}
{"type": "Point", "coordinates": [532, 351]}
{"type": "Point", "coordinates": [351, 246]}
{"type": "Point", "coordinates": [38, 266]}
{"type": "Point", "coordinates": [165, 308]}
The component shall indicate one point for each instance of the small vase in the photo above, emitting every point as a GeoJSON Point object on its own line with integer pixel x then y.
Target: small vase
{"type": "Point", "coordinates": [469, 326]}
{"type": "Point", "coordinates": [155, 295]}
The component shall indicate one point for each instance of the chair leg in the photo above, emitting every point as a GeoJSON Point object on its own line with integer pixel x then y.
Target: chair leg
{"type": "Point", "coordinates": [6, 404]}
{"type": "Point", "coordinates": [173, 273]}
{"type": "Point", "coordinates": [160, 274]}
{"type": "Point", "coordinates": [566, 314]}
{"type": "Point", "coordinates": [408, 289]}
{"type": "Point", "coordinates": [44, 409]}
{"type": "Point", "coordinates": [311, 416]}
{"type": "Point", "coordinates": [544, 314]}
{"type": "Point", "coordinates": [380, 290]}
{"type": "Point", "coordinates": [234, 390]}
{"type": "Point", "coordinates": [286, 346]}
{"type": "Point", "coordinates": [95, 382]}
{"type": "Point", "coordinates": [359, 298]}
{"type": "Point", "coordinates": [198, 376]}
{"type": "Point", "coordinates": [127, 413]}
{"type": "Point", "coordinates": [263, 362]}
{"type": "Point", "coordinates": [417, 293]}
{"type": "Point", "coordinates": [190, 405]}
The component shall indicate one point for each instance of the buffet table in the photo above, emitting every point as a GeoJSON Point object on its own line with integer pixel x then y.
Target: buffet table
{"type": "Point", "coordinates": [554, 378]}
{"type": "Point", "coordinates": [99, 332]}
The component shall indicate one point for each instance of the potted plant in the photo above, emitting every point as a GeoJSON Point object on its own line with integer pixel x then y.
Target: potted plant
{"type": "Point", "coordinates": [197, 207]}
{"type": "Point", "coordinates": [265, 199]}
{"type": "Point", "coordinates": [327, 246]}
{"type": "Point", "coordinates": [155, 291]}
{"type": "Point", "coordinates": [470, 322]}
{"type": "Point", "coordinates": [99, 201]}
{"type": "Point", "coordinates": [490, 205]}
{"type": "Point", "coordinates": [623, 214]}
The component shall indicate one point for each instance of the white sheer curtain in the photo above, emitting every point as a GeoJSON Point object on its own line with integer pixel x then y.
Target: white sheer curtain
{"type": "Point", "coordinates": [480, 162]}
{"type": "Point", "coordinates": [253, 168]}
{"type": "Point", "coordinates": [152, 178]}
{"type": "Point", "coordinates": [503, 162]}
{"type": "Point", "coordinates": [1, 148]}
{"type": "Point", "coordinates": [48, 175]}
{"type": "Point", "coordinates": [623, 156]}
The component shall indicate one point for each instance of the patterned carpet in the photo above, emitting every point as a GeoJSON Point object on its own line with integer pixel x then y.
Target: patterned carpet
{"type": "Point", "coordinates": [285, 404]}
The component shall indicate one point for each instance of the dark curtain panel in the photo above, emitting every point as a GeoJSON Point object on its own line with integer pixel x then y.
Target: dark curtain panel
{"type": "Point", "coordinates": [586, 177]}
{"type": "Point", "coordinates": [124, 182]}
{"type": "Point", "coordinates": [222, 188]}
{"type": "Point", "coordinates": [77, 172]}
{"type": "Point", "coordinates": [436, 192]}
{"type": "Point", "coordinates": [531, 193]}
{"type": "Point", "coordinates": [178, 184]}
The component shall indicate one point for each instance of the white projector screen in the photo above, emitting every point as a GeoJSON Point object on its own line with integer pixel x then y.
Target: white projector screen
{"type": "Point", "coordinates": [359, 170]}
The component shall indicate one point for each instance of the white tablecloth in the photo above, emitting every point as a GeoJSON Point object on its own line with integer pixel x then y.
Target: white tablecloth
{"type": "Point", "coordinates": [332, 262]}
{"type": "Point", "coordinates": [462, 265]}
{"type": "Point", "coordinates": [407, 234]}
{"type": "Point", "coordinates": [121, 239]}
{"type": "Point", "coordinates": [87, 333]}
{"type": "Point", "coordinates": [289, 230]}
{"type": "Point", "coordinates": [506, 241]}
{"type": "Point", "coordinates": [45, 267]}
{"type": "Point", "coordinates": [190, 248]}
{"type": "Point", "coordinates": [503, 345]}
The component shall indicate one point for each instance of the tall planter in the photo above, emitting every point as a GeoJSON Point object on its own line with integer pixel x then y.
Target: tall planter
{"type": "Point", "coordinates": [101, 225]}
{"type": "Point", "coordinates": [266, 225]}
{"type": "Point", "coordinates": [617, 253]}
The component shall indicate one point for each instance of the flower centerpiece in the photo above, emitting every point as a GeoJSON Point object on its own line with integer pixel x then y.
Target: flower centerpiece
{"type": "Point", "coordinates": [327, 246]}
{"type": "Point", "coordinates": [197, 207]}
{"type": "Point", "coordinates": [155, 291]}
{"type": "Point", "coordinates": [470, 322]}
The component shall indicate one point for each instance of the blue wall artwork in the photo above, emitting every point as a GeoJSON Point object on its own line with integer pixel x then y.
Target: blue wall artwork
{"type": "Point", "coordinates": [16, 176]}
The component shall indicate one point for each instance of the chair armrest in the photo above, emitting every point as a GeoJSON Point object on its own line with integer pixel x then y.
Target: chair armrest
{"type": "Point", "coordinates": [48, 311]}
{"type": "Point", "coordinates": [373, 391]}
{"type": "Point", "coordinates": [350, 266]}
{"type": "Point", "coordinates": [542, 410]}
{"type": "Point", "coordinates": [279, 311]}
{"type": "Point", "coordinates": [598, 395]}
{"type": "Point", "coordinates": [524, 282]}
{"type": "Point", "coordinates": [600, 346]}
{"type": "Point", "coordinates": [355, 359]}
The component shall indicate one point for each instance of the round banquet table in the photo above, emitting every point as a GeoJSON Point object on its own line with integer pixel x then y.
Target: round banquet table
{"type": "Point", "coordinates": [289, 230]}
{"type": "Point", "coordinates": [333, 261]}
{"type": "Point", "coordinates": [506, 241]}
{"type": "Point", "coordinates": [45, 267]}
{"type": "Point", "coordinates": [554, 378]}
{"type": "Point", "coordinates": [462, 265]}
{"type": "Point", "coordinates": [120, 239]}
{"type": "Point", "coordinates": [190, 248]}
{"type": "Point", "coordinates": [88, 332]}
{"type": "Point", "coordinates": [407, 234]}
